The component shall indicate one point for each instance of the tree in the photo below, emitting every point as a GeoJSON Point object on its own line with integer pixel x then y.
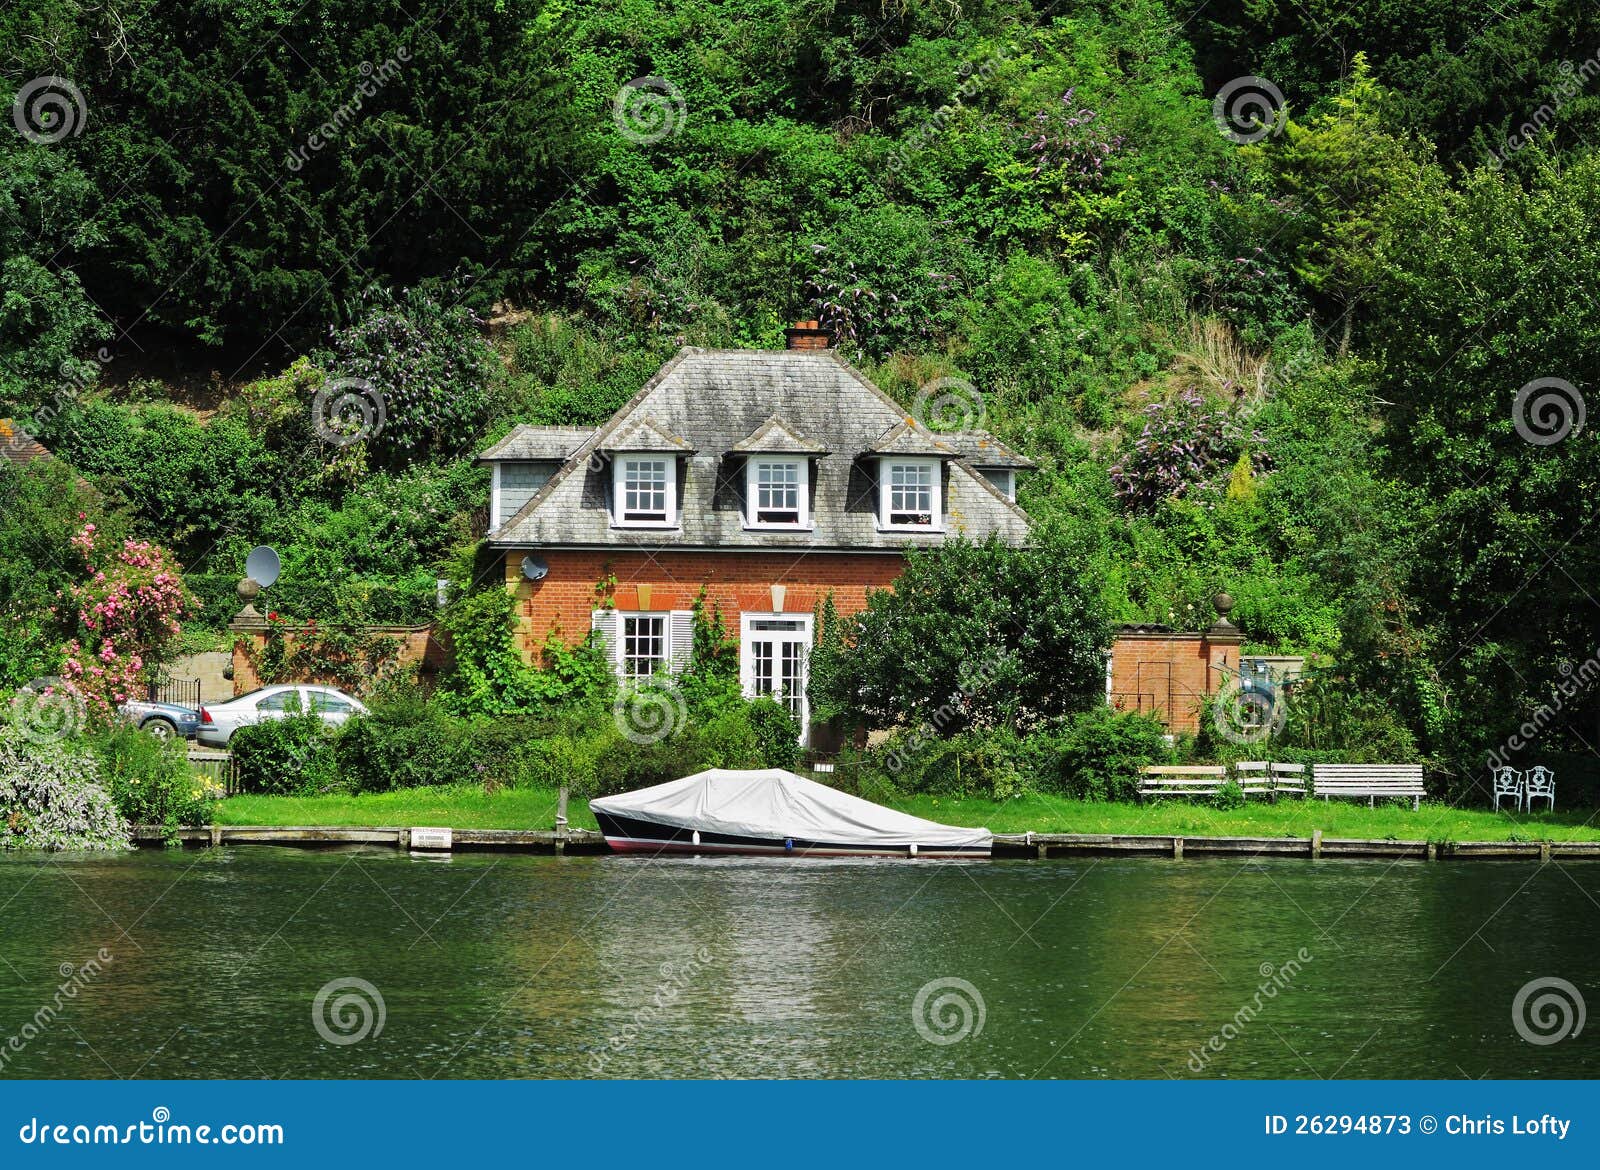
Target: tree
{"type": "Point", "coordinates": [46, 320]}
{"type": "Point", "coordinates": [972, 635]}
{"type": "Point", "coordinates": [252, 163]}
{"type": "Point", "coordinates": [1337, 177]}
{"type": "Point", "coordinates": [1484, 328]}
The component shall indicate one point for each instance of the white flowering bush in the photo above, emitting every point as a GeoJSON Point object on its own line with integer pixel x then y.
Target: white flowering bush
{"type": "Point", "coordinates": [51, 797]}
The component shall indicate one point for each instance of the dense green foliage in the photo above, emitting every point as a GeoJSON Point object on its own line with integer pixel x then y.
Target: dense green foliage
{"type": "Point", "coordinates": [285, 757]}
{"type": "Point", "coordinates": [40, 506]}
{"type": "Point", "coordinates": [972, 635]}
{"type": "Point", "coordinates": [150, 781]}
{"type": "Point", "coordinates": [1095, 754]}
{"type": "Point", "coordinates": [1289, 368]}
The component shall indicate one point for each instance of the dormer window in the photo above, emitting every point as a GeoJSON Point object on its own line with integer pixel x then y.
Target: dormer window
{"type": "Point", "coordinates": [1004, 480]}
{"type": "Point", "coordinates": [909, 496]}
{"type": "Point", "coordinates": [777, 491]}
{"type": "Point", "coordinates": [513, 482]}
{"type": "Point", "coordinates": [646, 491]}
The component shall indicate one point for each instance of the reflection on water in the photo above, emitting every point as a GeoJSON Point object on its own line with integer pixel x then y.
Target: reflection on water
{"type": "Point", "coordinates": [506, 966]}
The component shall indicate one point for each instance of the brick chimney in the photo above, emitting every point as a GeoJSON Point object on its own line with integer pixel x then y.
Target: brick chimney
{"type": "Point", "coordinates": [807, 335]}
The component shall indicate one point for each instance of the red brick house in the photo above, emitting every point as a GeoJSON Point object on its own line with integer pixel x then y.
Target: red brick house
{"type": "Point", "coordinates": [769, 479]}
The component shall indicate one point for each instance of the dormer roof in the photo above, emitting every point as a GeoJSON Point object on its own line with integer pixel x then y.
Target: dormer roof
{"type": "Point", "coordinates": [908, 437]}
{"type": "Point", "coordinates": [776, 437]}
{"type": "Point", "coordinates": [984, 451]}
{"type": "Point", "coordinates": [538, 444]}
{"type": "Point", "coordinates": [645, 435]}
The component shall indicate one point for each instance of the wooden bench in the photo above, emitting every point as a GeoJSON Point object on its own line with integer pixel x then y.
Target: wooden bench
{"type": "Point", "coordinates": [1254, 777]}
{"type": "Point", "coordinates": [1374, 781]}
{"type": "Point", "coordinates": [1261, 778]}
{"type": "Point", "coordinates": [1186, 780]}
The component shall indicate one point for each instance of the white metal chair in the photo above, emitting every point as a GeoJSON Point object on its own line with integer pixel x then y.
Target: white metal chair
{"type": "Point", "coordinates": [1507, 782]}
{"type": "Point", "coordinates": [1538, 783]}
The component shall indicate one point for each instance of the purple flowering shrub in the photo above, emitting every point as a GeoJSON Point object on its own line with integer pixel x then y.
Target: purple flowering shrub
{"type": "Point", "coordinates": [51, 798]}
{"type": "Point", "coordinates": [1068, 141]}
{"type": "Point", "coordinates": [844, 302]}
{"type": "Point", "coordinates": [426, 360]}
{"type": "Point", "coordinates": [1187, 448]}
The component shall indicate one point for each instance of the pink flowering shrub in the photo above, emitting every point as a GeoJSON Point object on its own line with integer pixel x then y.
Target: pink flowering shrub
{"type": "Point", "coordinates": [126, 618]}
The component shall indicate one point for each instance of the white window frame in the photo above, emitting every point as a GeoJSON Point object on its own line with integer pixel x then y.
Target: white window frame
{"type": "Point", "coordinates": [806, 634]}
{"type": "Point", "coordinates": [619, 473]}
{"type": "Point", "coordinates": [663, 662]}
{"type": "Point", "coordinates": [752, 487]}
{"type": "Point", "coordinates": [494, 497]}
{"type": "Point", "coordinates": [886, 469]}
{"type": "Point", "coordinates": [677, 644]}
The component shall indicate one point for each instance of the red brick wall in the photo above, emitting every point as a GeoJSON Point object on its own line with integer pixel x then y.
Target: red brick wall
{"type": "Point", "coordinates": [1168, 675]}
{"type": "Point", "coordinates": [419, 645]}
{"type": "Point", "coordinates": [735, 582]}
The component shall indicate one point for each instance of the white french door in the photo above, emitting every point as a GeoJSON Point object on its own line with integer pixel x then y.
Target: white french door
{"type": "Point", "coordinates": [774, 657]}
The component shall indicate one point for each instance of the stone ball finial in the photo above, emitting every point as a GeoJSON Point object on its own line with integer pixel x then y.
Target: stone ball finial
{"type": "Point", "coordinates": [249, 590]}
{"type": "Point", "coordinates": [1223, 603]}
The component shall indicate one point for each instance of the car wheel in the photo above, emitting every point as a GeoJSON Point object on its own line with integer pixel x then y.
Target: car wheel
{"type": "Point", "coordinates": [160, 728]}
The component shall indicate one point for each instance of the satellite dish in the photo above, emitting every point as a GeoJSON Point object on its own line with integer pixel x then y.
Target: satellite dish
{"type": "Point", "coordinates": [534, 569]}
{"type": "Point", "coordinates": [262, 565]}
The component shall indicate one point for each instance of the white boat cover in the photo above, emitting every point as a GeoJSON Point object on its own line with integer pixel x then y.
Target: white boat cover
{"type": "Point", "coordinates": [773, 803]}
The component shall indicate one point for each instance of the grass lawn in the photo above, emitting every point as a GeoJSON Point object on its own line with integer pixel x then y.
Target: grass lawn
{"type": "Point", "coordinates": [468, 807]}
{"type": "Point", "coordinates": [463, 807]}
{"type": "Point", "coordinates": [1287, 818]}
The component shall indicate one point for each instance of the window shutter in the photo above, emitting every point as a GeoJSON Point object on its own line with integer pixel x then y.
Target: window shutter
{"type": "Point", "coordinates": [680, 639]}
{"type": "Point", "coordinates": [606, 623]}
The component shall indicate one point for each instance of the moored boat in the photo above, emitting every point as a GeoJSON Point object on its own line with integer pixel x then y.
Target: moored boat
{"type": "Point", "coordinates": [772, 812]}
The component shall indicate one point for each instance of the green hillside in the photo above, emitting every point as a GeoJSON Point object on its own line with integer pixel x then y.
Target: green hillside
{"type": "Point", "coordinates": [1323, 343]}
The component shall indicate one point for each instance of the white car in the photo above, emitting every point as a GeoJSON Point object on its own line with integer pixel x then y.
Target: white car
{"type": "Point", "coordinates": [218, 721]}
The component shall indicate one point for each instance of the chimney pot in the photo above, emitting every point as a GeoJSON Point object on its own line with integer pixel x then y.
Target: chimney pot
{"type": "Point", "coordinates": [807, 335]}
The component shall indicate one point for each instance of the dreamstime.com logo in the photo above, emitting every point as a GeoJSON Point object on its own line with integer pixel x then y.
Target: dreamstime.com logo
{"type": "Point", "coordinates": [948, 1011]}
{"type": "Point", "coordinates": [347, 1011]}
{"type": "Point", "coordinates": [1547, 410]}
{"type": "Point", "coordinates": [1547, 1011]}
{"type": "Point", "coordinates": [1248, 714]}
{"type": "Point", "coordinates": [973, 678]}
{"type": "Point", "coordinates": [648, 109]}
{"type": "Point", "coordinates": [1274, 979]}
{"type": "Point", "coordinates": [1249, 109]}
{"type": "Point", "coordinates": [373, 79]}
{"type": "Point", "coordinates": [48, 709]}
{"type": "Point", "coordinates": [160, 1130]}
{"type": "Point", "coordinates": [73, 980]}
{"type": "Point", "coordinates": [650, 711]}
{"type": "Point", "coordinates": [974, 76]}
{"type": "Point", "coordinates": [676, 977]}
{"type": "Point", "coordinates": [347, 410]}
{"type": "Point", "coordinates": [49, 109]}
{"type": "Point", "coordinates": [1574, 682]}
{"type": "Point", "coordinates": [949, 404]}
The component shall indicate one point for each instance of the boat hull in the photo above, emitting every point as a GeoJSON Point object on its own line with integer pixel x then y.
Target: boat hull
{"type": "Point", "coordinates": [629, 835]}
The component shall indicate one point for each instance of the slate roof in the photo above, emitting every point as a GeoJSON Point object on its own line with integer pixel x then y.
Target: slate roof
{"type": "Point", "coordinates": [714, 400]}
{"type": "Point", "coordinates": [776, 437]}
{"type": "Point", "coordinates": [538, 444]}
{"type": "Point", "coordinates": [643, 434]}
{"type": "Point", "coordinates": [907, 438]}
{"type": "Point", "coordinates": [981, 449]}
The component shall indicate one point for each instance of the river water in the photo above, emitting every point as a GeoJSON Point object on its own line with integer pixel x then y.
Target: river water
{"type": "Point", "coordinates": [210, 964]}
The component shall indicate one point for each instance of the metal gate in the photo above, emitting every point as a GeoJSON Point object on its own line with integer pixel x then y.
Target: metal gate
{"type": "Point", "coordinates": [181, 692]}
